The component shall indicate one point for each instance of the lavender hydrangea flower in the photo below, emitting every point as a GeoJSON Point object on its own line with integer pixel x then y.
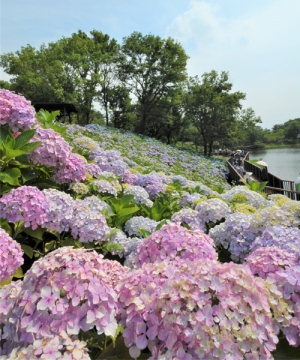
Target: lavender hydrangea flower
{"type": "Point", "coordinates": [105, 186]}
{"type": "Point", "coordinates": [129, 244]}
{"type": "Point", "coordinates": [211, 211]}
{"type": "Point", "coordinates": [16, 111]}
{"type": "Point", "coordinates": [136, 223]}
{"type": "Point", "coordinates": [11, 255]}
{"type": "Point", "coordinates": [60, 212]}
{"type": "Point", "coordinates": [188, 199]}
{"type": "Point", "coordinates": [96, 204]}
{"type": "Point", "coordinates": [25, 203]}
{"type": "Point", "coordinates": [173, 241]}
{"type": "Point", "coordinates": [253, 197]}
{"type": "Point", "coordinates": [189, 217]}
{"type": "Point", "coordinates": [140, 194]}
{"type": "Point", "coordinates": [67, 290]}
{"type": "Point", "coordinates": [286, 238]}
{"type": "Point", "coordinates": [93, 169]}
{"type": "Point", "coordinates": [88, 225]}
{"type": "Point", "coordinates": [236, 234]}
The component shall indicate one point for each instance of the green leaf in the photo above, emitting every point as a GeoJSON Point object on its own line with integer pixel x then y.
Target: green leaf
{"type": "Point", "coordinates": [5, 135]}
{"type": "Point", "coordinates": [144, 233]}
{"type": "Point", "coordinates": [12, 153]}
{"type": "Point", "coordinates": [18, 273]}
{"type": "Point", "coordinates": [27, 250]}
{"type": "Point", "coordinates": [10, 176]}
{"type": "Point", "coordinates": [29, 174]}
{"type": "Point", "coordinates": [129, 210]}
{"type": "Point", "coordinates": [50, 246]}
{"type": "Point", "coordinates": [23, 138]}
{"type": "Point", "coordinates": [127, 199]}
{"type": "Point", "coordinates": [37, 233]}
{"type": "Point", "coordinates": [109, 246]}
{"type": "Point", "coordinates": [30, 147]}
{"type": "Point", "coordinates": [160, 225]}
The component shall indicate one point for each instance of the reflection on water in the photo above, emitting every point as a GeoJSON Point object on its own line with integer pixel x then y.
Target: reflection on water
{"type": "Point", "coordinates": [284, 163]}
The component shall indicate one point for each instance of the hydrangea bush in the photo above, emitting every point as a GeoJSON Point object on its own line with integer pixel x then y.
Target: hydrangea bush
{"type": "Point", "coordinates": [105, 191]}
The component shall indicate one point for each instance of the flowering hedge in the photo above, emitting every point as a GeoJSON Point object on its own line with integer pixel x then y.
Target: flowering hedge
{"type": "Point", "coordinates": [123, 237]}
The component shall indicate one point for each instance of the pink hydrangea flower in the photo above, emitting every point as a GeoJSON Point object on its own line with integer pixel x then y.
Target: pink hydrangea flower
{"type": "Point", "coordinates": [196, 310]}
{"type": "Point", "coordinates": [67, 290]}
{"type": "Point", "coordinates": [25, 203]}
{"type": "Point", "coordinates": [15, 111]}
{"type": "Point", "coordinates": [11, 256]}
{"type": "Point", "coordinates": [266, 260]}
{"type": "Point", "coordinates": [173, 241]}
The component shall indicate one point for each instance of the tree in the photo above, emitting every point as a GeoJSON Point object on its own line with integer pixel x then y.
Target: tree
{"type": "Point", "coordinates": [292, 129]}
{"type": "Point", "coordinates": [211, 107]}
{"type": "Point", "coordinates": [151, 68]}
{"type": "Point", "coordinates": [73, 69]}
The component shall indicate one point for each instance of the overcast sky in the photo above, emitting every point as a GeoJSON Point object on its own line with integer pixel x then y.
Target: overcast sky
{"type": "Point", "coordinates": [256, 41]}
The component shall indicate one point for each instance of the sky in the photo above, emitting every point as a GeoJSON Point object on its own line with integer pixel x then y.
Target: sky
{"type": "Point", "coordinates": [256, 41]}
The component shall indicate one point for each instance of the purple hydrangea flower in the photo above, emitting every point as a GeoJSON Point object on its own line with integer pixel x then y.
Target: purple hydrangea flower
{"type": "Point", "coordinates": [15, 111]}
{"type": "Point", "coordinates": [25, 203]}
{"type": "Point", "coordinates": [11, 255]}
{"type": "Point", "coordinates": [72, 171]}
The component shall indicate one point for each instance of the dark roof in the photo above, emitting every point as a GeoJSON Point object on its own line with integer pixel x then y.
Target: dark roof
{"type": "Point", "coordinates": [69, 108]}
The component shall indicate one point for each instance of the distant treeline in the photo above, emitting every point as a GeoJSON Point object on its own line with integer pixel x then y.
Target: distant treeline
{"type": "Point", "coordinates": [140, 85]}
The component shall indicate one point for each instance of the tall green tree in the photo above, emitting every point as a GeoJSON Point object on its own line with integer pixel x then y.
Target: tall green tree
{"type": "Point", "coordinates": [212, 108]}
{"type": "Point", "coordinates": [73, 69]}
{"type": "Point", "coordinates": [151, 68]}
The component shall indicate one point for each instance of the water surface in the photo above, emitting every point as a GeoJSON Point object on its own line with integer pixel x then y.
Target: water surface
{"type": "Point", "coordinates": [284, 163]}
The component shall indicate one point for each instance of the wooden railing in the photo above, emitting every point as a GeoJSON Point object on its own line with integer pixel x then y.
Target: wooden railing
{"type": "Point", "coordinates": [275, 184]}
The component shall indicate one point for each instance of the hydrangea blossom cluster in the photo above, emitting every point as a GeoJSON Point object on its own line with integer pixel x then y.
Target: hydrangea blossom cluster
{"type": "Point", "coordinates": [197, 310]}
{"type": "Point", "coordinates": [72, 171]}
{"type": "Point", "coordinates": [266, 260]}
{"type": "Point", "coordinates": [189, 199]}
{"type": "Point", "coordinates": [277, 199]}
{"type": "Point", "coordinates": [93, 169]}
{"type": "Point", "coordinates": [173, 241]}
{"type": "Point", "coordinates": [288, 284]}
{"type": "Point", "coordinates": [253, 197]}
{"type": "Point", "coordinates": [212, 210]}
{"type": "Point", "coordinates": [105, 186]}
{"type": "Point", "coordinates": [57, 153]}
{"type": "Point", "coordinates": [130, 178]}
{"type": "Point", "coordinates": [140, 194]}
{"type": "Point", "coordinates": [181, 179]}
{"type": "Point", "coordinates": [8, 294]}
{"type": "Point", "coordinates": [136, 223]}
{"type": "Point", "coordinates": [236, 234]}
{"type": "Point", "coordinates": [67, 290]}
{"type": "Point", "coordinates": [85, 142]}
{"type": "Point", "coordinates": [79, 188]}
{"type": "Point", "coordinates": [96, 204]}
{"type": "Point", "coordinates": [109, 160]}
{"type": "Point", "coordinates": [11, 255]}
{"type": "Point", "coordinates": [25, 203]}
{"type": "Point", "coordinates": [273, 215]}
{"type": "Point", "coordinates": [61, 347]}
{"type": "Point", "coordinates": [189, 217]}
{"type": "Point", "coordinates": [54, 150]}
{"type": "Point", "coordinates": [15, 111]}
{"type": "Point", "coordinates": [292, 211]}
{"type": "Point", "coordinates": [60, 212]}
{"type": "Point", "coordinates": [88, 225]}
{"type": "Point", "coordinates": [286, 238]}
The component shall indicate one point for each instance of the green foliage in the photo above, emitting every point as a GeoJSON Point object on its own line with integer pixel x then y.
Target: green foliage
{"type": "Point", "coordinates": [123, 208]}
{"type": "Point", "coordinates": [255, 186]}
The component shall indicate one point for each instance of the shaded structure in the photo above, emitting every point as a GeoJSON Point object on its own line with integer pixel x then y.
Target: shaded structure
{"type": "Point", "coordinates": [65, 109]}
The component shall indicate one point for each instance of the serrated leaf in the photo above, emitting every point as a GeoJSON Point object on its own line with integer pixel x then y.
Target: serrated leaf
{"type": "Point", "coordinates": [12, 153]}
{"type": "Point", "coordinates": [126, 199]}
{"type": "Point", "coordinates": [24, 137]}
{"type": "Point", "coordinates": [4, 135]}
{"type": "Point", "coordinates": [27, 250]}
